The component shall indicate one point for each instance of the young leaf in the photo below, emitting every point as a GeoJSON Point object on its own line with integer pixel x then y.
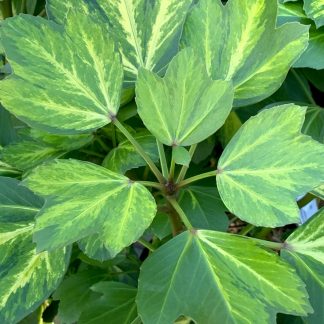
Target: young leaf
{"type": "Point", "coordinates": [211, 275]}
{"type": "Point", "coordinates": [84, 199]}
{"type": "Point", "coordinates": [124, 157]}
{"type": "Point", "coordinates": [267, 165]}
{"type": "Point", "coordinates": [186, 106]}
{"type": "Point", "coordinates": [115, 306]}
{"type": "Point", "coordinates": [148, 32]}
{"type": "Point", "coordinates": [181, 155]}
{"type": "Point", "coordinates": [26, 278]}
{"type": "Point", "coordinates": [231, 47]}
{"type": "Point", "coordinates": [204, 208]}
{"type": "Point", "coordinates": [304, 250]}
{"type": "Point", "coordinates": [81, 59]}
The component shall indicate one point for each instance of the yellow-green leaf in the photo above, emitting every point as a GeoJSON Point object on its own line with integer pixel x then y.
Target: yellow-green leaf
{"type": "Point", "coordinates": [267, 165]}
{"type": "Point", "coordinates": [83, 199]}
{"type": "Point", "coordinates": [66, 79]}
{"type": "Point", "coordinates": [212, 276]}
{"type": "Point", "coordinates": [231, 37]}
{"type": "Point", "coordinates": [304, 250]}
{"type": "Point", "coordinates": [186, 106]}
{"type": "Point", "coordinates": [26, 277]}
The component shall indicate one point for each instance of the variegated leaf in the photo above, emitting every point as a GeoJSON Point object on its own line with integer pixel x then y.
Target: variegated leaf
{"type": "Point", "coordinates": [124, 157]}
{"type": "Point", "coordinates": [84, 199]}
{"type": "Point", "coordinates": [319, 192]}
{"type": "Point", "coordinates": [304, 250]}
{"type": "Point", "coordinates": [313, 55]}
{"type": "Point", "coordinates": [186, 106]}
{"type": "Point", "coordinates": [315, 10]}
{"type": "Point", "coordinates": [26, 278]}
{"type": "Point", "coordinates": [65, 79]}
{"type": "Point", "coordinates": [210, 275]}
{"type": "Point", "coordinates": [230, 38]}
{"type": "Point", "coordinates": [148, 32]}
{"type": "Point", "coordinates": [267, 165]}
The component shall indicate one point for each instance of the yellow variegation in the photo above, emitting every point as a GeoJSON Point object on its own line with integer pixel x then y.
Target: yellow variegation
{"type": "Point", "coordinates": [65, 79]}
{"type": "Point", "coordinates": [267, 165]}
{"type": "Point", "coordinates": [315, 10]}
{"type": "Point", "coordinates": [304, 250]}
{"type": "Point", "coordinates": [212, 276]}
{"type": "Point", "coordinates": [83, 199]}
{"type": "Point", "coordinates": [147, 31]}
{"type": "Point", "coordinates": [230, 38]}
{"type": "Point", "coordinates": [26, 278]}
{"type": "Point", "coordinates": [186, 106]}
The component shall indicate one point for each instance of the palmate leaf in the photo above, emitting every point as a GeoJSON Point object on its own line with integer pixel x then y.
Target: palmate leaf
{"type": "Point", "coordinates": [186, 106]}
{"type": "Point", "coordinates": [304, 250]}
{"type": "Point", "coordinates": [230, 38]}
{"type": "Point", "coordinates": [65, 79]}
{"type": "Point", "coordinates": [211, 275]}
{"type": "Point", "coordinates": [267, 165]}
{"type": "Point", "coordinates": [116, 305]}
{"type": "Point", "coordinates": [26, 278]}
{"type": "Point", "coordinates": [84, 199]}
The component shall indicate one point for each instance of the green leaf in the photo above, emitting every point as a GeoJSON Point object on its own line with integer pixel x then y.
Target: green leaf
{"type": "Point", "coordinates": [7, 170]}
{"type": "Point", "coordinates": [26, 278]}
{"type": "Point", "coordinates": [161, 226]}
{"type": "Point", "coordinates": [7, 131]}
{"type": "Point", "coordinates": [94, 247]}
{"type": "Point", "coordinates": [211, 275]}
{"type": "Point", "coordinates": [75, 294]}
{"type": "Point", "coordinates": [319, 192]}
{"type": "Point", "coordinates": [115, 306]}
{"type": "Point", "coordinates": [84, 199]}
{"type": "Point", "coordinates": [147, 32]}
{"type": "Point", "coordinates": [181, 155]}
{"type": "Point", "coordinates": [186, 106]}
{"type": "Point", "coordinates": [231, 47]}
{"type": "Point", "coordinates": [27, 154]}
{"type": "Point", "coordinates": [315, 10]}
{"type": "Point", "coordinates": [80, 57]}
{"type": "Point", "coordinates": [267, 165]}
{"type": "Point", "coordinates": [314, 123]}
{"type": "Point", "coordinates": [313, 55]}
{"type": "Point", "coordinates": [304, 250]}
{"type": "Point", "coordinates": [231, 126]}
{"type": "Point", "coordinates": [125, 157]}
{"type": "Point", "coordinates": [204, 208]}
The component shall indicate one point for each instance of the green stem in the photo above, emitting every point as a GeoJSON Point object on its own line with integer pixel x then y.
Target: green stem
{"type": "Point", "coordinates": [151, 184]}
{"type": "Point", "coordinates": [300, 81]}
{"type": "Point", "coordinates": [6, 8]}
{"type": "Point", "coordinates": [184, 168]}
{"type": "Point", "coordinates": [172, 168]}
{"type": "Point", "coordinates": [163, 161]}
{"type": "Point", "coordinates": [197, 178]}
{"type": "Point", "coordinates": [268, 244]}
{"type": "Point", "coordinates": [180, 212]}
{"type": "Point", "coordinates": [114, 139]}
{"type": "Point", "coordinates": [146, 244]}
{"type": "Point", "coordinates": [140, 150]}
{"type": "Point", "coordinates": [247, 229]}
